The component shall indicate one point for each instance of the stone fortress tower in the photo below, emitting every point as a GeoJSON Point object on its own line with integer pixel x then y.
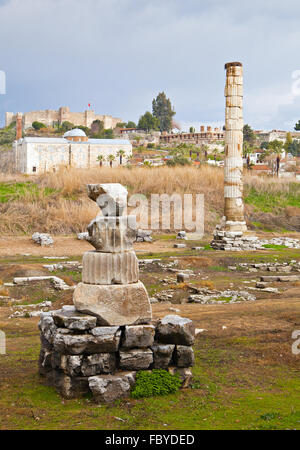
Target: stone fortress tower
{"type": "Point", "coordinates": [48, 117]}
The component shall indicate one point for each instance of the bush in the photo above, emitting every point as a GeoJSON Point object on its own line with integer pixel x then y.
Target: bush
{"type": "Point", "coordinates": [157, 382]}
{"type": "Point", "coordinates": [67, 126]}
{"type": "Point", "coordinates": [178, 161]}
{"type": "Point", "coordinates": [7, 136]}
{"type": "Point", "coordinates": [38, 125]}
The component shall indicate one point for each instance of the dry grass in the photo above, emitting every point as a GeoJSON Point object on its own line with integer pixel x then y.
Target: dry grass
{"type": "Point", "coordinates": [206, 284]}
{"type": "Point", "coordinates": [139, 180]}
{"type": "Point", "coordinates": [4, 292]}
{"type": "Point", "coordinates": [68, 209]}
{"type": "Point", "coordinates": [265, 184]}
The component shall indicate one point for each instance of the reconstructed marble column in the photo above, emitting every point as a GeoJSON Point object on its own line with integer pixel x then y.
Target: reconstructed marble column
{"type": "Point", "coordinates": [233, 165]}
{"type": "Point", "coordinates": [111, 289]}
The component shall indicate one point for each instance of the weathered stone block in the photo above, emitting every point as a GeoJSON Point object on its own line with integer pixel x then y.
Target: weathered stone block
{"type": "Point", "coordinates": [45, 344]}
{"type": "Point", "coordinates": [44, 361]}
{"type": "Point", "coordinates": [99, 363]}
{"type": "Point", "coordinates": [138, 336]}
{"type": "Point", "coordinates": [135, 359]}
{"type": "Point", "coordinates": [179, 245]}
{"type": "Point", "coordinates": [162, 355]}
{"type": "Point", "coordinates": [74, 320]}
{"type": "Point", "coordinates": [47, 327]}
{"type": "Point", "coordinates": [86, 343]}
{"type": "Point", "coordinates": [111, 198]}
{"type": "Point", "coordinates": [71, 364]}
{"type": "Point", "coordinates": [185, 375]}
{"type": "Point", "coordinates": [182, 277]}
{"type": "Point", "coordinates": [184, 356]}
{"type": "Point", "coordinates": [69, 387]}
{"type": "Point", "coordinates": [109, 338]}
{"type": "Point", "coordinates": [110, 268]}
{"type": "Point", "coordinates": [126, 304]}
{"type": "Point", "coordinates": [108, 388]}
{"type": "Point", "coordinates": [112, 234]}
{"type": "Point", "coordinates": [174, 329]}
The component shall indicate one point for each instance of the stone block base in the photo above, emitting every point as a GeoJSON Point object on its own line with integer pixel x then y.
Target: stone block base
{"type": "Point", "coordinates": [88, 358]}
{"type": "Point", "coordinates": [126, 304]}
{"type": "Point", "coordinates": [235, 241]}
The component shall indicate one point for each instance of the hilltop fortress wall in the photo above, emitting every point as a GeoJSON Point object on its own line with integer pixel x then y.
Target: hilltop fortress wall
{"type": "Point", "coordinates": [48, 117]}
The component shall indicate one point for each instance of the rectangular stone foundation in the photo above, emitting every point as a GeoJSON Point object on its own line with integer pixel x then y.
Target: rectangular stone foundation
{"type": "Point", "coordinates": [78, 356]}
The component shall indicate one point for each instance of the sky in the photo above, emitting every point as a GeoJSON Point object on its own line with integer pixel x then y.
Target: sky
{"type": "Point", "coordinates": [119, 54]}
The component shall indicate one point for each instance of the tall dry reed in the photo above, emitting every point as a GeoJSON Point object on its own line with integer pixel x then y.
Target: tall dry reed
{"type": "Point", "coordinates": [68, 209]}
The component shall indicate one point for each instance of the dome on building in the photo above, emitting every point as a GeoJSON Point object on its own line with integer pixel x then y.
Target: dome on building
{"type": "Point", "coordinates": [76, 132]}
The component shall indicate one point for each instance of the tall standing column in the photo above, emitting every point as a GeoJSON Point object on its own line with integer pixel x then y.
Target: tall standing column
{"type": "Point", "coordinates": [233, 165]}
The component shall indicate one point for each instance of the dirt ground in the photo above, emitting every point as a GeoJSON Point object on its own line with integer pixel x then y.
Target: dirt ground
{"type": "Point", "coordinates": [64, 246]}
{"type": "Point", "coordinates": [243, 353]}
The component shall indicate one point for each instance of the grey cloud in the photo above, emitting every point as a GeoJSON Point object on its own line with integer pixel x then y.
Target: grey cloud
{"type": "Point", "coordinates": [118, 54]}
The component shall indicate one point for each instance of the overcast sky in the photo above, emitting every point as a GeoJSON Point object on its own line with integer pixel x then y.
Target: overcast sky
{"type": "Point", "coordinates": [119, 54]}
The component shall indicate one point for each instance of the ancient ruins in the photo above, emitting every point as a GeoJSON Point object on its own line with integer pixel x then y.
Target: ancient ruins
{"type": "Point", "coordinates": [51, 117]}
{"type": "Point", "coordinates": [229, 235]}
{"type": "Point", "coordinates": [100, 343]}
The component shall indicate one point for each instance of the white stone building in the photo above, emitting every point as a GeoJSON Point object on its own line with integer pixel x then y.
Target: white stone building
{"type": "Point", "coordinates": [44, 154]}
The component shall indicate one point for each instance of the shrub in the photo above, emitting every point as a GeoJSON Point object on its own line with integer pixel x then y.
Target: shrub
{"type": "Point", "coordinates": [38, 125]}
{"type": "Point", "coordinates": [66, 126]}
{"type": "Point", "coordinates": [157, 382]}
{"type": "Point", "coordinates": [178, 161]}
{"type": "Point", "coordinates": [7, 135]}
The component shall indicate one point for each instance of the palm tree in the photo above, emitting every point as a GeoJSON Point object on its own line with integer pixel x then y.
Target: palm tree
{"type": "Point", "coordinates": [121, 153]}
{"type": "Point", "coordinates": [205, 149]}
{"type": "Point", "coordinates": [100, 158]}
{"type": "Point", "coordinates": [111, 158]}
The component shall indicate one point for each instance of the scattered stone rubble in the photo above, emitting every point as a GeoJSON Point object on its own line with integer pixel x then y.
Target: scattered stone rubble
{"type": "Point", "coordinates": [143, 236]}
{"type": "Point", "coordinates": [292, 266]}
{"type": "Point", "coordinates": [83, 236]}
{"type": "Point", "coordinates": [34, 310]}
{"type": "Point", "coordinates": [181, 235]}
{"type": "Point", "coordinates": [42, 239]}
{"type": "Point", "coordinates": [69, 265]}
{"type": "Point", "coordinates": [179, 245]}
{"type": "Point", "coordinates": [287, 279]}
{"type": "Point", "coordinates": [55, 257]}
{"type": "Point", "coordinates": [238, 241]}
{"type": "Point", "coordinates": [206, 296]}
{"type": "Point", "coordinates": [57, 282]}
{"type": "Point", "coordinates": [211, 297]}
{"type": "Point", "coordinates": [79, 356]}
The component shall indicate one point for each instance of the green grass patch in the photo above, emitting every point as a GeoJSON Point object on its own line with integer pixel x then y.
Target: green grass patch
{"type": "Point", "coordinates": [157, 382]}
{"type": "Point", "coordinates": [15, 191]}
{"type": "Point", "coordinates": [223, 299]}
{"type": "Point", "coordinates": [274, 201]}
{"type": "Point", "coordinates": [262, 227]}
{"type": "Point", "coordinates": [274, 246]}
{"type": "Point", "coordinates": [164, 237]}
{"type": "Point", "coordinates": [76, 276]}
{"type": "Point", "coordinates": [219, 268]}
